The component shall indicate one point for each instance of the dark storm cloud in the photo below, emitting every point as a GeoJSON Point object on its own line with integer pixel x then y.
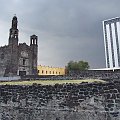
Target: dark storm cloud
{"type": "Point", "coordinates": [67, 29]}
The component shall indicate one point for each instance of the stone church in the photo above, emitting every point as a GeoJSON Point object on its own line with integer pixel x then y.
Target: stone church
{"type": "Point", "coordinates": [18, 58]}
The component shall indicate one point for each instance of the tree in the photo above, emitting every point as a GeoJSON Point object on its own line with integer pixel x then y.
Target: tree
{"type": "Point", "coordinates": [80, 65]}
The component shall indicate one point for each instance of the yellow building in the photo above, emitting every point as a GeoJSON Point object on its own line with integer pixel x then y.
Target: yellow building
{"type": "Point", "coordinates": [46, 70]}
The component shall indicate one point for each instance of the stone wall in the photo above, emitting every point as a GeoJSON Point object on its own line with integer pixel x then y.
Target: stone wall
{"type": "Point", "coordinates": [4, 59]}
{"type": "Point", "coordinates": [94, 101]}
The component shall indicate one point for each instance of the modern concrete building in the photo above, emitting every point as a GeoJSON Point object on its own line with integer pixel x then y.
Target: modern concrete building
{"type": "Point", "coordinates": [111, 31]}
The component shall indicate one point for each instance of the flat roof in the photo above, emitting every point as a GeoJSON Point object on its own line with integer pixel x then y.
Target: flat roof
{"type": "Point", "coordinates": [115, 68]}
{"type": "Point", "coordinates": [112, 19]}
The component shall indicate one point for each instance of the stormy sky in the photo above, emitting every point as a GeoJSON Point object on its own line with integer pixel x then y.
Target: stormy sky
{"type": "Point", "coordinates": [67, 29]}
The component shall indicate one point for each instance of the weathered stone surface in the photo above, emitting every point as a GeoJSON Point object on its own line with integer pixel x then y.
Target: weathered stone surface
{"type": "Point", "coordinates": [63, 102]}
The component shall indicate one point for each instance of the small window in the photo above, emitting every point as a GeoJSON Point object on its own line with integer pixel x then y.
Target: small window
{"type": "Point", "coordinates": [59, 73]}
{"type": "Point", "coordinates": [42, 71]}
{"type": "Point", "coordinates": [53, 72]}
{"type": "Point", "coordinates": [56, 72]}
{"type": "Point", "coordinates": [46, 72]}
{"type": "Point", "coordinates": [23, 61]}
{"type": "Point", "coordinates": [50, 72]}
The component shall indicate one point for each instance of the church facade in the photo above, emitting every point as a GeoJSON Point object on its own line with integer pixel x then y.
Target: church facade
{"type": "Point", "coordinates": [18, 58]}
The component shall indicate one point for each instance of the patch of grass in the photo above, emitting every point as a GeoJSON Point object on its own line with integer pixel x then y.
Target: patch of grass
{"type": "Point", "coordinates": [49, 82]}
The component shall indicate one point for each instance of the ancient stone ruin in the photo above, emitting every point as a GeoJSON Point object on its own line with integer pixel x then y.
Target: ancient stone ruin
{"type": "Point", "coordinates": [86, 101]}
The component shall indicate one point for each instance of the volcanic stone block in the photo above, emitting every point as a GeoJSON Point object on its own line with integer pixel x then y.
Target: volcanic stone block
{"type": "Point", "coordinates": [117, 101]}
{"type": "Point", "coordinates": [110, 100]}
{"type": "Point", "coordinates": [110, 105]}
{"type": "Point", "coordinates": [118, 96]}
{"type": "Point", "coordinates": [113, 96]}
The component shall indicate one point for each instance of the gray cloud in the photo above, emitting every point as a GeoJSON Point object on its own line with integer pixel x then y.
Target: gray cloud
{"type": "Point", "coordinates": [67, 29]}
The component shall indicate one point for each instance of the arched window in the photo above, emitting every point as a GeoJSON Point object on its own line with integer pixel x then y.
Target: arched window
{"type": "Point", "coordinates": [46, 72]}
{"type": "Point", "coordinates": [42, 71]}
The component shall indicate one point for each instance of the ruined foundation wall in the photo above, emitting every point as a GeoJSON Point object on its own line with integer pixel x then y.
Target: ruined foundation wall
{"type": "Point", "coordinates": [98, 101]}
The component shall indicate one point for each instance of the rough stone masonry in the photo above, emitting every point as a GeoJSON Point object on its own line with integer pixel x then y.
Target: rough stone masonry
{"type": "Point", "coordinates": [86, 101]}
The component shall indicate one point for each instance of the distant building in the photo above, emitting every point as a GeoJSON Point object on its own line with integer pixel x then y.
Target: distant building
{"type": "Point", "coordinates": [46, 70]}
{"type": "Point", "coordinates": [111, 30]}
{"type": "Point", "coordinates": [18, 59]}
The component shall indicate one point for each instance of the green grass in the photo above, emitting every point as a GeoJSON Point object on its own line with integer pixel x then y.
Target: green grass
{"type": "Point", "coordinates": [49, 82]}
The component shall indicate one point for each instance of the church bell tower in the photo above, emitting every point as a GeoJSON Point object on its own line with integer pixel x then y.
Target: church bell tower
{"type": "Point", "coordinates": [12, 66]}
{"type": "Point", "coordinates": [34, 53]}
{"type": "Point", "coordinates": [13, 35]}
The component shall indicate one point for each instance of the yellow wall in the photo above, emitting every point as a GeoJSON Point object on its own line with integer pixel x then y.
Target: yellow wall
{"type": "Point", "coordinates": [46, 70]}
